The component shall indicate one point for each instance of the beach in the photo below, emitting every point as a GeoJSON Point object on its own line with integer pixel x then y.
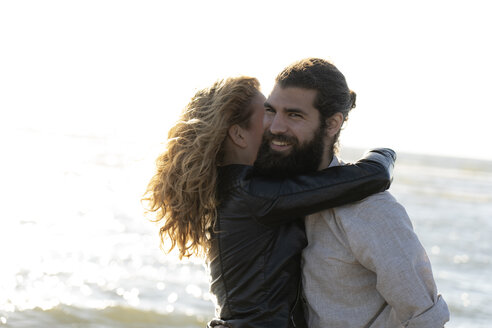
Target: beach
{"type": "Point", "coordinates": [76, 249]}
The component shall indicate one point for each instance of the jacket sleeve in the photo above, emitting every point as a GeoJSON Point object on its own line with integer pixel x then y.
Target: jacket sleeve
{"type": "Point", "coordinates": [278, 201]}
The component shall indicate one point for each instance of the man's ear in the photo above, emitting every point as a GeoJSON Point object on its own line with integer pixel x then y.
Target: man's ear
{"type": "Point", "coordinates": [334, 124]}
{"type": "Point", "coordinates": [236, 133]}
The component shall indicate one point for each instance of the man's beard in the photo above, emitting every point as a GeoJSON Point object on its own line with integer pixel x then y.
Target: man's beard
{"type": "Point", "coordinates": [301, 159]}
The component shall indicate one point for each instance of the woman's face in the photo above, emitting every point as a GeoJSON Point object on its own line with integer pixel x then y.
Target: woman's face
{"type": "Point", "coordinates": [254, 134]}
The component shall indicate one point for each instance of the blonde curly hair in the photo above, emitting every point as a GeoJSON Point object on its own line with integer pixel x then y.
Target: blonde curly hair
{"type": "Point", "coordinates": [182, 192]}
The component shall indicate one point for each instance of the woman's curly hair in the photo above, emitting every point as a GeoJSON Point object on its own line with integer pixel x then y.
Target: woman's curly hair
{"type": "Point", "coordinates": [182, 192]}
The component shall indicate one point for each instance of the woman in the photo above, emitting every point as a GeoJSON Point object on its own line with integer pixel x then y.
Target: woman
{"type": "Point", "coordinates": [248, 227]}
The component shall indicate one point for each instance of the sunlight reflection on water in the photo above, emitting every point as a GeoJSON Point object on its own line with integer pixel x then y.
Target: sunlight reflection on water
{"type": "Point", "coordinates": [80, 249]}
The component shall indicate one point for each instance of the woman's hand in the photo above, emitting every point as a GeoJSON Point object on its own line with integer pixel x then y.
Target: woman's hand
{"type": "Point", "coordinates": [216, 323]}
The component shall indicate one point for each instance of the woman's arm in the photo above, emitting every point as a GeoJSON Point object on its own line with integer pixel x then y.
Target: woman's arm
{"type": "Point", "coordinates": [277, 200]}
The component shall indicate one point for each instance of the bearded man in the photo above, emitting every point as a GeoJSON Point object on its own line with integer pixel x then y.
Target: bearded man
{"type": "Point", "coordinates": [364, 265]}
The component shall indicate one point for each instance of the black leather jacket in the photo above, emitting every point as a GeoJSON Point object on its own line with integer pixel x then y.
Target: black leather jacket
{"type": "Point", "coordinates": [254, 259]}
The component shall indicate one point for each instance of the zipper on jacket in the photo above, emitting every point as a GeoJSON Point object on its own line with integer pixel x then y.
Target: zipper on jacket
{"type": "Point", "coordinates": [299, 286]}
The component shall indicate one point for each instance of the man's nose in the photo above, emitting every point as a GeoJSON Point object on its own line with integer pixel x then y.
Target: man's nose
{"type": "Point", "coordinates": [278, 125]}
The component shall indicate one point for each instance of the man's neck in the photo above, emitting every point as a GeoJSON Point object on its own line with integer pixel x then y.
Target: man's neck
{"type": "Point", "coordinates": [326, 161]}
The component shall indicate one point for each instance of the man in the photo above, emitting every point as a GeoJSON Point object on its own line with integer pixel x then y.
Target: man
{"type": "Point", "coordinates": [364, 265]}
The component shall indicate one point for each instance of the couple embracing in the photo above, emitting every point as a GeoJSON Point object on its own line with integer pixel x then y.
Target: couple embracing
{"type": "Point", "coordinates": [292, 236]}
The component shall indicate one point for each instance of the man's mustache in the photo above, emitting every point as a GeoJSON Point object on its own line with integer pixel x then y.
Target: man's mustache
{"type": "Point", "coordinates": [268, 136]}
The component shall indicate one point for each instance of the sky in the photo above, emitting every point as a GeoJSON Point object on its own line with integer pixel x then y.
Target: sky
{"type": "Point", "coordinates": [421, 69]}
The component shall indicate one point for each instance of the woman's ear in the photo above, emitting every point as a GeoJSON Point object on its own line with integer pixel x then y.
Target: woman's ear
{"type": "Point", "coordinates": [334, 124]}
{"type": "Point", "coordinates": [237, 135]}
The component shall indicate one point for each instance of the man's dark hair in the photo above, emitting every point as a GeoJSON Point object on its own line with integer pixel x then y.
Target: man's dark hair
{"type": "Point", "coordinates": [333, 94]}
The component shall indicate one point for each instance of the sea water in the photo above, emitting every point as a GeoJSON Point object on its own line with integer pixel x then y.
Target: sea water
{"type": "Point", "coordinates": [76, 250]}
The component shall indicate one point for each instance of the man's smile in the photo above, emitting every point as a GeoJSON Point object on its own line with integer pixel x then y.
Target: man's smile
{"type": "Point", "coordinates": [279, 145]}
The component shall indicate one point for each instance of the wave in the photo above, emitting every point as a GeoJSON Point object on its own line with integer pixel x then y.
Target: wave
{"type": "Point", "coordinates": [110, 317]}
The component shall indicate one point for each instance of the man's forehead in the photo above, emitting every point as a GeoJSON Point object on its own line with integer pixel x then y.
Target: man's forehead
{"type": "Point", "coordinates": [292, 97]}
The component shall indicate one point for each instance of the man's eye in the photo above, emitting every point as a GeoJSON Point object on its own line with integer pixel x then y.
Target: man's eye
{"type": "Point", "coordinates": [269, 110]}
{"type": "Point", "coordinates": [295, 115]}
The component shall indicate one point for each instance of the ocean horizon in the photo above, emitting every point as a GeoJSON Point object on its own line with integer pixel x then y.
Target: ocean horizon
{"type": "Point", "coordinates": [77, 251]}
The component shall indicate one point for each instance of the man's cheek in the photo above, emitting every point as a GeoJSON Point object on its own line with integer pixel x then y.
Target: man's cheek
{"type": "Point", "coordinates": [267, 122]}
